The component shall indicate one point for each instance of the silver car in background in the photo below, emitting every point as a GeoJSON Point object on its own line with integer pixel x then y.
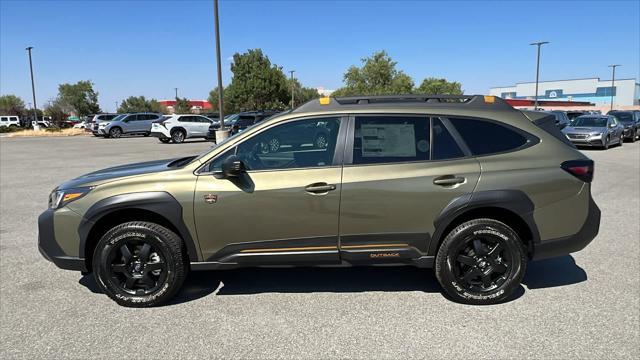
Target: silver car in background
{"type": "Point", "coordinates": [130, 124]}
{"type": "Point", "coordinates": [595, 130]}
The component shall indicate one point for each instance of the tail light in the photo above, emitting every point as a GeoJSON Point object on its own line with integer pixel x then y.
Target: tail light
{"type": "Point", "coordinates": [582, 169]}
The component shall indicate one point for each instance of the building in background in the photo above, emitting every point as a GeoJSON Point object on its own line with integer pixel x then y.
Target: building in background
{"type": "Point", "coordinates": [197, 106]}
{"type": "Point", "coordinates": [324, 92]}
{"type": "Point", "coordinates": [626, 92]}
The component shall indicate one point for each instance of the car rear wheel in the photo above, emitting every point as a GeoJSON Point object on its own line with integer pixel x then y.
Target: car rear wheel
{"type": "Point", "coordinates": [177, 136]}
{"type": "Point", "coordinates": [140, 264]}
{"type": "Point", "coordinates": [481, 262]}
{"type": "Point", "coordinates": [115, 132]}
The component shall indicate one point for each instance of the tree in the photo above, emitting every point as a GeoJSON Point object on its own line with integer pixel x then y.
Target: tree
{"type": "Point", "coordinates": [140, 104]}
{"type": "Point", "coordinates": [213, 100]}
{"type": "Point", "coordinates": [256, 84]}
{"type": "Point", "coordinates": [80, 97]}
{"type": "Point", "coordinates": [301, 94]}
{"type": "Point", "coordinates": [182, 106]}
{"type": "Point", "coordinates": [432, 86]}
{"type": "Point", "coordinates": [57, 110]}
{"type": "Point", "coordinates": [12, 105]}
{"type": "Point", "coordinates": [377, 76]}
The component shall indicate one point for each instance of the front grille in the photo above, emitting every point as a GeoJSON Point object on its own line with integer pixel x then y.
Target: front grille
{"type": "Point", "coordinates": [578, 136]}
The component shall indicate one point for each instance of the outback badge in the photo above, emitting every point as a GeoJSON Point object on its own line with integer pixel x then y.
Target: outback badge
{"type": "Point", "coordinates": [210, 198]}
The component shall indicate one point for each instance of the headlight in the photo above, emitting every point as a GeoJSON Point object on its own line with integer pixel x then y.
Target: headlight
{"type": "Point", "coordinates": [60, 198]}
{"type": "Point", "coordinates": [104, 124]}
{"type": "Point", "coordinates": [595, 135]}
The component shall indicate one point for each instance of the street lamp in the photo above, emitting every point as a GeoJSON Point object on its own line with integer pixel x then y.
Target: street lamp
{"type": "Point", "coordinates": [221, 133]}
{"type": "Point", "coordinates": [292, 88]}
{"type": "Point", "coordinates": [538, 44]}
{"type": "Point", "coordinates": [613, 79]}
{"type": "Point", "coordinates": [33, 92]}
{"type": "Point", "coordinates": [176, 89]}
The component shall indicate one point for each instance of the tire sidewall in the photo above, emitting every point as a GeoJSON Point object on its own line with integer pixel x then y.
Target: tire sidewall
{"type": "Point", "coordinates": [115, 238]}
{"type": "Point", "coordinates": [115, 132]}
{"type": "Point", "coordinates": [448, 251]}
{"type": "Point", "coordinates": [178, 140]}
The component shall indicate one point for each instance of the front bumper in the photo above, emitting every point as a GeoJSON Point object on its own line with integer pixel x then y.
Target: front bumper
{"type": "Point", "coordinates": [587, 142]}
{"type": "Point", "coordinates": [49, 247]}
{"type": "Point", "coordinates": [569, 244]}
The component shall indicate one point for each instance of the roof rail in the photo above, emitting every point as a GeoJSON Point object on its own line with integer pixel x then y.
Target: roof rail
{"type": "Point", "coordinates": [358, 102]}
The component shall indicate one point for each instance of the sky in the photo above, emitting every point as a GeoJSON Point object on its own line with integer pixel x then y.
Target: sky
{"type": "Point", "coordinates": [151, 47]}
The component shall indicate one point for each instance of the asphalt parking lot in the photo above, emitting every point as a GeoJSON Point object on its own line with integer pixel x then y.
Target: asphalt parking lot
{"type": "Point", "coordinates": [585, 305]}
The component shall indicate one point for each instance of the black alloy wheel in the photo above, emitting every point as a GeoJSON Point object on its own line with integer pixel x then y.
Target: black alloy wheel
{"type": "Point", "coordinates": [137, 267]}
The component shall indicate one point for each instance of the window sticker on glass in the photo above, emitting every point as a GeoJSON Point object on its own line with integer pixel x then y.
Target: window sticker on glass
{"type": "Point", "coordinates": [386, 140]}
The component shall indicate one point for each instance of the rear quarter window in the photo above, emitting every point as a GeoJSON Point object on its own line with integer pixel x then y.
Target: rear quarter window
{"type": "Point", "coordinates": [486, 137]}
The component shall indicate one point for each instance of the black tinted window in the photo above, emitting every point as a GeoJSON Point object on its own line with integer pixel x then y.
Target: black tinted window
{"type": "Point", "coordinates": [485, 137]}
{"type": "Point", "coordinates": [297, 144]}
{"type": "Point", "coordinates": [186, 119]}
{"type": "Point", "coordinates": [388, 139]}
{"type": "Point", "coordinates": [444, 146]}
{"type": "Point", "coordinates": [244, 121]}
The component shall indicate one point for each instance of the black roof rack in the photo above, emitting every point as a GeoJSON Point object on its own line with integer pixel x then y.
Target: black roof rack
{"type": "Point", "coordinates": [358, 102]}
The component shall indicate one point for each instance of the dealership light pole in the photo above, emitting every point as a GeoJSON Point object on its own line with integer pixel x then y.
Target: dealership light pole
{"type": "Point", "coordinates": [292, 89]}
{"type": "Point", "coordinates": [538, 44]}
{"type": "Point", "coordinates": [33, 92]}
{"type": "Point", "coordinates": [613, 81]}
{"type": "Point", "coordinates": [221, 134]}
{"type": "Point", "coordinates": [116, 107]}
{"type": "Point", "coordinates": [176, 89]}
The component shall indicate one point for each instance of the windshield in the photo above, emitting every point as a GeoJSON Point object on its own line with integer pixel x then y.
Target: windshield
{"type": "Point", "coordinates": [625, 117]}
{"type": "Point", "coordinates": [590, 121]}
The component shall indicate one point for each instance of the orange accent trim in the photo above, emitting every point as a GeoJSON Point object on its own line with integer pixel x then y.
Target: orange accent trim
{"type": "Point", "coordinates": [372, 245]}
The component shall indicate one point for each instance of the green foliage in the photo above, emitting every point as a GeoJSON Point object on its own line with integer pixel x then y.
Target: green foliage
{"type": "Point", "coordinates": [57, 110]}
{"type": "Point", "coordinates": [377, 76]}
{"type": "Point", "coordinates": [435, 86]}
{"type": "Point", "coordinates": [12, 105]}
{"type": "Point", "coordinates": [140, 104]}
{"type": "Point", "coordinates": [9, 129]}
{"type": "Point", "coordinates": [182, 106]}
{"type": "Point", "coordinates": [80, 97]}
{"type": "Point", "coordinates": [301, 94]}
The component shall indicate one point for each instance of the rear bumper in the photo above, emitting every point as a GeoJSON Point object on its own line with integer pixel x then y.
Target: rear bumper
{"type": "Point", "coordinates": [570, 244]}
{"type": "Point", "coordinates": [49, 248]}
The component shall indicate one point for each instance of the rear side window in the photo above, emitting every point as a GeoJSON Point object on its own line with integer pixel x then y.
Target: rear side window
{"type": "Point", "coordinates": [485, 137]}
{"type": "Point", "coordinates": [444, 145]}
{"type": "Point", "coordinates": [389, 139]}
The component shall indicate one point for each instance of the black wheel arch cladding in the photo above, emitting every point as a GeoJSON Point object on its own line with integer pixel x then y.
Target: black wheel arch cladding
{"type": "Point", "coordinates": [513, 201]}
{"type": "Point", "coordinates": [157, 202]}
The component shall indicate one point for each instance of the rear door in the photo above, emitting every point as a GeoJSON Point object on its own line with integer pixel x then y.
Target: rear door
{"type": "Point", "coordinates": [400, 172]}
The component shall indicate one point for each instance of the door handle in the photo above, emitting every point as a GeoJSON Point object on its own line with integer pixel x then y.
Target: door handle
{"type": "Point", "coordinates": [318, 188]}
{"type": "Point", "coordinates": [449, 180]}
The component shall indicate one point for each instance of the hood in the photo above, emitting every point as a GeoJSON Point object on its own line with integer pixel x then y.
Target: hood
{"type": "Point", "coordinates": [583, 130]}
{"type": "Point", "coordinates": [116, 172]}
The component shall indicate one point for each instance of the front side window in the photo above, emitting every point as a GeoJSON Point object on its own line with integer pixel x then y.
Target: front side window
{"type": "Point", "coordinates": [486, 137]}
{"type": "Point", "coordinates": [390, 139]}
{"type": "Point", "coordinates": [297, 144]}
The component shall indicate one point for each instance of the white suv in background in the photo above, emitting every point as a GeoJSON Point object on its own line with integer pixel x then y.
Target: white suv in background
{"type": "Point", "coordinates": [179, 127]}
{"type": "Point", "coordinates": [9, 121]}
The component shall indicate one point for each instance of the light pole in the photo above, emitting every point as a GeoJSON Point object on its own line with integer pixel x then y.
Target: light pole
{"type": "Point", "coordinates": [292, 89]}
{"type": "Point", "coordinates": [176, 89]}
{"type": "Point", "coordinates": [538, 44]}
{"type": "Point", "coordinates": [613, 81]}
{"type": "Point", "coordinates": [221, 134]}
{"type": "Point", "coordinates": [116, 107]}
{"type": "Point", "coordinates": [33, 92]}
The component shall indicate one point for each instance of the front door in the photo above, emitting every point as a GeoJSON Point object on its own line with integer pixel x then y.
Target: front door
{"type": "Point", "coordinates": [283, 210]}
{"type": "Point", "coordinates": [402, 172]}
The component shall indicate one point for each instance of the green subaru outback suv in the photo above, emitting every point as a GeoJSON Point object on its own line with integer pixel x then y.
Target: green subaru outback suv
{"type": "Point", "coordinates": [466, 185]}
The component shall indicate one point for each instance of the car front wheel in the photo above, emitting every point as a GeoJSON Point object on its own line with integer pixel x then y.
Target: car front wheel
{"type": "Point", "coordinates": [178, 136]}
{"type": "Point", "coordinates": [481, 262]}
{"type": "Point", "coordinates": [115, 132]}
{"type": "Point", "coordinates": [140, 264]}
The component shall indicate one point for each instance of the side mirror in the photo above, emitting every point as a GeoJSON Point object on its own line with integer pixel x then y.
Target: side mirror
{"type": "Point", "coordinates": [612, 125]}
{"type": "Point", "coordinates": [232, 166]}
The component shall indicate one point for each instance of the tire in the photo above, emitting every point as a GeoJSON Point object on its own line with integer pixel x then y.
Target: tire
{"type": "Point", "coordinates": [164, 141]}
{"type": "Point", "coordinates": [621, 140]}
{"type": "Point", "coordinates": [321, 142]}
{"type": "Point", "coordinates": [140, 264]}
{"type": "Point", "coordinates": [484, 279]}
{"type": "Point", "coordinates": [178, 136]}
{"type": "Point", "coordinates": [115, 132]}
{"type": "Point", "coordinates": [606, 144]}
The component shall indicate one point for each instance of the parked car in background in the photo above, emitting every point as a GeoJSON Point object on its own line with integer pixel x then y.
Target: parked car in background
{"type": "Point", "coordinates": [130, 124]}
{"type": "Point", "coordinates": [572, 114]}
{"type": "Point", "coordinates": [214, 116]}
{"type": "Point", "coordinates": [92, 122]}
{"type": "Point", "coordinates": [562, 120]}
{"type": "Point", "coordinates": [631, 122]}
{"type": "Point", "coordinates": [179, 127]}
{"type": "Point", "coordinates": [9, 121]}
{"type": "Point", "coordinates": [240, 121]}
{"type": "Point", "coordinates": [595, 130]}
